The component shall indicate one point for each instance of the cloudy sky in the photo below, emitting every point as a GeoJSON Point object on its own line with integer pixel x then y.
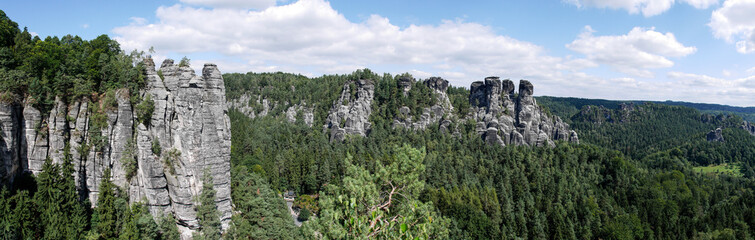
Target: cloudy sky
{"type": "Point", "coordinates": [685, 50]}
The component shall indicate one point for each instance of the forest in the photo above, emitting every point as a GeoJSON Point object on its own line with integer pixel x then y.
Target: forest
{"type": "Point", "coordinates": [636, 173]}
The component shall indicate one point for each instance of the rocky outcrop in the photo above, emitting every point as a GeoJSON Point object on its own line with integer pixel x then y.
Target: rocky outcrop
{"type": "Point", "coordinates": [254, 107]}
{"type": "Point", "coordinates": [749, 127]}
{"type": "Point", "coordinates": [307, 114]}
{"type": "Point", "coordinates": [350, 113]}
{"type": "Point", "coordinates": [434, 114]}
{"type": "Point", "coordinates": [507, 118]}
{"type": "Point", "coordinates": [11, 141]}
{"type": "Point", "coordinates": [715, 136]}
{"type": "Point", "coordinates": [189, 123]}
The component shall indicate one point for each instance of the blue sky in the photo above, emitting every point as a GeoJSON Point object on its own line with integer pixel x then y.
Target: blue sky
{"type": "Point", "coordinates": [687, 50]}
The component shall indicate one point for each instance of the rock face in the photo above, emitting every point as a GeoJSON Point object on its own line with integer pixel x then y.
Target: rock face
{"type": "Point", "coordinates": [749, 127]}
{"type": "Point", "coordinates": [715, 136]}
{"type": "Point", "coordinates": [505, 118]}
{"type": "Point", "coordinates": [189, 122]}
{"type": "Point", "coordinates": [434, 114]}
{"type": "Point", "coordinates": [260, 107]}
{"type": "Point", "coordinates": [350, 113]}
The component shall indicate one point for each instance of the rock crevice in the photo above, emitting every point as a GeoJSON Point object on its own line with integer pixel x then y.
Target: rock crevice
{"type": "Point", "coordinates": [189, 123]}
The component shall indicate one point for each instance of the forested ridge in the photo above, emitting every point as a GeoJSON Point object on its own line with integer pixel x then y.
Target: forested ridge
{"type": "Point", "coordinates": [634, 175]}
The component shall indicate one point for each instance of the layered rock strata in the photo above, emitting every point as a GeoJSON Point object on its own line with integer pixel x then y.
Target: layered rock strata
{"type": "Point", "coordinates": [507, 118]}
{"type": "Point", "coordinates": [350, 113]}
{"type": "Point", "coordinates": [438, 113]}
{"type": "Point", "coordinates": [189, 123]}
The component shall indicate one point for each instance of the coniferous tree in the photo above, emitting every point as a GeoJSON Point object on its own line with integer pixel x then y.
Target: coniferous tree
{"type": "Point", "coordinates": [168, 229]}
{"type": "Point", "coordinates": [107, 218]}
{"type": "Point", "coordinates": [207, 211]}
{"type": "Point", "coordinates": [27, 215]}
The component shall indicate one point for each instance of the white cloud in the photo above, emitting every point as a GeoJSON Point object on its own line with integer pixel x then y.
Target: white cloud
{"type": "Point", "coordinates": [311, 38]}
{"type": "Point", "coordinates": [735, 21]}
{"type": "Point", "coordinates": [85, 25]}
{"type": "Point", "coordinates": [648, 8]}
{"type": "Point", "coordinates": [243, 4]}
{"type": "Point", "coordinates": [634, 53]}
{"type": "Point", "coordinates": [311, 34]}
{"type": "Point", "coordinates": [703, 88]}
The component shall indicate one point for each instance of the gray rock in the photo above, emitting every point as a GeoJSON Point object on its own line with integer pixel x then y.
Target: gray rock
{"type": "Point", "coordinates": [518, 118]}
{"type": "Point", "coordinates": [353, 118]}
{"type": "Point", "coordinates": [749, 127]}
{"type": "Point", "coordinates": [405, 84]}
{"type": "Point", "coordinates": [715, 136]}
{"type": "Point", "coordinates": [190, 118]}
{"type": "Point", "coordinates": [11, 153]}
{"type": "Point", "coordinates": [430, 115]}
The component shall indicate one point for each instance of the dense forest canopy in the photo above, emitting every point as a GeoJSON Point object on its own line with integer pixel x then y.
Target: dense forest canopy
{"type": "Point", "coordinates": [635, 175]}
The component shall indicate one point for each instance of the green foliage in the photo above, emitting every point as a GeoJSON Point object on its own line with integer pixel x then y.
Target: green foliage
{"type": "Point", "coordinates": [107, 217]}
{"type": "Point", "coordinates": [382, 204]}
{"type": "Point", "coordinates": [261, 213]}
{"type": "Point", "coordinates": [184, 62]}
{"type": "Point", "coordinates": [145, 109]}
{"type": "Point", "coordinates": [304, 215]}
{"type": "Point", "coordinates": [67, 67]}
{"type": "Point", "coordinates": [128, 159]}
{"type": "Point", "coordinates": [207, 211]}
{"type": "Point", "coordinates": [307, 202]}
{"type": "Point", "coordinates": [156, 148]}
{"type": "Point", "coordinates": [170, 158]}
{"type": "Point", "coordinates": [168, 228]}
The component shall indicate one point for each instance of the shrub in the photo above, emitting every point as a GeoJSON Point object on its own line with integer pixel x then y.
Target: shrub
{"type": "Point", "coordinates": [170, 158]}
{"type": "Point", "coordinates": [145, 109]}
{"type": "Point", "coordinates": [156, 148]}
{"type": "Point", "coordinates": [304, 215]}
{"type": "Point", "coordinates": [128, 159]}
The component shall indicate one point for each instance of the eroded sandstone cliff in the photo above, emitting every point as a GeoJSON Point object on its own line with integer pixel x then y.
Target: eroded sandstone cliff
{"type": "Point", "coordinates": [189, 123]}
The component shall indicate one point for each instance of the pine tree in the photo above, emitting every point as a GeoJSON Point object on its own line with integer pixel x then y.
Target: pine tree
{"type": "Point", "coordinates": [27, 216]}
{"type": "Point", "coordinates": [8, 222]}
{"type": "Point", "coordinates": [73, 209]}
{"type": "Point", "coordinates": [168, 229]}
{"type": "Point", "coordinates": [106, 211]}
{"type": "Point", "coordinates": [48, 199]}
{"type": "Point", "coordinates": [207, 211]}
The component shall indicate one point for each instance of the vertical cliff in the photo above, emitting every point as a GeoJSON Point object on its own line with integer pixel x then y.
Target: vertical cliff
{"type": "Point", "coordinates": [189, 123]}
{"type": "Point", "coordinates": [350, 113]}
{"type": "Point", "coordinates": [507, 118]}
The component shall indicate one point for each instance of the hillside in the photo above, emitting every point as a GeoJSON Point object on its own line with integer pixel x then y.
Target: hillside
{"type": "Point", "coordinates": [97, 143]}
{"type": "Point", "coordinates": [604, 187]}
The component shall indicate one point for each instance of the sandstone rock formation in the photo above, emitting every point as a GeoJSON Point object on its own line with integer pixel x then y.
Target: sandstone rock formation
{"type": "Point", "coordinates": [749, 127]}
{"type": "Point", "coordinates": [506, 118]}
{"type": "Point", "coordinates": [350, 113]}
{"type": "Point", "coordinates": [263, 107]}
{"type": "Point", "coordinates": [189, 122]}
{"type": "Point", "coordinates": [715, 136]}
{"type": "Point", "coordinates": [430, 115]}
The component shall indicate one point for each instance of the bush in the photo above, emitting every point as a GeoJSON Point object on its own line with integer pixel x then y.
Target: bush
{"type": "Point", "coordinates": [128, 159]}
{"type": "Point", "coordinates": [145, 109]}
{"type": "Point", "coordinates": [170, 158]}
{"type": "Point", "coordinates": [156, 149]}
{"type": "Point", "coordinates": [184, 62]}
{"type": "Point", "coordinates": [304, 215]}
